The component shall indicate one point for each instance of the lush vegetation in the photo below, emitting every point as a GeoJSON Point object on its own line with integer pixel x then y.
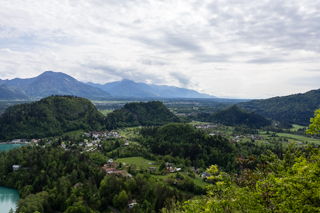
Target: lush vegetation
{"type": "Point", "coordinates": [145, 114]}
{"type": "Point", "coordinates": [50, 116]}
{"type": "Point", "coordinates": [286, 184]}
{"type": "Point", "coordinates": [197, 148]}
{"type": "Point", "coordinates": [52, 179]}
{"type": "Point", "coordinates": [233, 116]}
{"type": "Point", "coordinates": [293, 109]}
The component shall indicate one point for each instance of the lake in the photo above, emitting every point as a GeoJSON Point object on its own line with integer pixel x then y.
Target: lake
{"type": "Point", "coordinates": [8, 199]}
{"type": "Point", "coordinates": [5, 147]}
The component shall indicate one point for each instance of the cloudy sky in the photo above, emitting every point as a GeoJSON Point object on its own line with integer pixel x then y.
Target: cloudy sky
{"type": "Point", "coordinates": [243, 49]}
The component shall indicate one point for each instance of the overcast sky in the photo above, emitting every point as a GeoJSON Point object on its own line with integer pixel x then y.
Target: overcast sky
{"type": "Point", "coordinates": [243, 49]}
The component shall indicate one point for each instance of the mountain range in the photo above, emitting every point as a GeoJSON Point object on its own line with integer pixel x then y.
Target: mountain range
{"type": "Point", "coordinates": [57, 83]}
{"type": "Point", "coordinates": [53, 83]}
{"type": "Point", "coordinates": [130, 89]}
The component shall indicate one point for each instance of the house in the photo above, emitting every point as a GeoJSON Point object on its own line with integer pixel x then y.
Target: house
{"type": "Point", "coordinates": [205, 175]}
{"type": "Point", "coordinates": [177, 169]}
{"type": "Point", "coordinates": [150, 162]}
{"type": "Point", "coordinates": [131, 204]}
{"type": "Point", "coordinates": [110, 160]}
{"type": "Point", "coordinates": [153, 168]}
{"type": "Point", "coordinates": [16, 141]}
{"type": "Point", "coordinates": [16, 167]}
{"type": "Point", "coordinates": [85, 140]}
{"type": "Point", "coordinates": [126, 143]}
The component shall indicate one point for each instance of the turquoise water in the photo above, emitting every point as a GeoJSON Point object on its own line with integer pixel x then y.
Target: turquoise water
{"type": "Point", "coordinates": [5, 147]}
{"type": "Point", "coordinates": [8, 199]}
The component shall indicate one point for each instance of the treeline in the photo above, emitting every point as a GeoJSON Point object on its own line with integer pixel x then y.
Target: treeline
{"type": "Point", "coordinates": [50, 116]}
{"type": "Point", "coordinates": [202, 150]}
{"type": "Point", "coordinates": [52, 179]}
{"type": "Point", "coordinates": [292, 109]}
{"type": "Point", "coordinates": [144, 114]}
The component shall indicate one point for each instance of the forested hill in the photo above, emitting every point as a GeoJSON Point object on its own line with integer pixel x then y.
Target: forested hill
{"type": "Point", "coordinates": [145, 114]}
{"type": "Point", "coordinates": [294, 109]}
{"type": "Point", "coordinates": [50, 116]}
{"type": "Point", "coordinates": [235, 116]}
{"type": "Point", "coordinates": [183, 141]}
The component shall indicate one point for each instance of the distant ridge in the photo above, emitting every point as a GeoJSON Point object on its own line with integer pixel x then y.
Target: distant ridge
{"type": "Point", "coordinates": [12, 93]}
{"type": "Point", "coordinates": [55, 83]}
{"type": "Point", "coordinates": [128, 88]}
{"type": "Point", "coordinates": [291, 109]}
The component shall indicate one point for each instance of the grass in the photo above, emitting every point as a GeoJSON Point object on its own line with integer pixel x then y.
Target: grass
{"type": "Point", "coordinates": [137, 161]}
{"type": "Point", "coordinates": [296, 127]}
{"type": "Point", "coordinates": [105, 111]}
{"type": "Point", "coordinates": [129, 132]}
{"type": "Point", "coordinates": [74, 133]}
{"type": "Point", "coordinates": [198, 122]}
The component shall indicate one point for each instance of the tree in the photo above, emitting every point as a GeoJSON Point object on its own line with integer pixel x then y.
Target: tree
{"type": "Point", "coordinates": [315, 126]}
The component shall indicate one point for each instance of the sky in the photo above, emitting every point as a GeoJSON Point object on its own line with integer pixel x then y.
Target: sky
{"type": "Point", "coordinates": [231, 49]}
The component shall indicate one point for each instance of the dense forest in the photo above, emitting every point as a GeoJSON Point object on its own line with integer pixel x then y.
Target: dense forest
{"type": "Point", "coordinates": [293, 109]}
{"type": "Point", "coordinates": [233, 116]}
{"type": "Point", "coordinates": [144, 114]}
{"type": "Point", "coordinates": [289, 183]}
{"type": "Point", "coordinates": [52, 179]}
{"type": "Point", "coordinates": [185, 142]}
{"type": "Point", "coordinates": [50, 116]}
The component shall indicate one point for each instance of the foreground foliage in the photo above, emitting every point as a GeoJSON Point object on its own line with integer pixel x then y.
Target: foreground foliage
{"type": "Point", "coordinates": [290, 184]}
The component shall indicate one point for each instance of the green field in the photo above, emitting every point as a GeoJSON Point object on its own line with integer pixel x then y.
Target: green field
{"type": "Point", "coordinates": [138, 161]}
{"type": "Point", "coordinates": [296, 127]}
{"type": "Point", "coordinates": [75, 133]}
{"type": "Point", "coordinates": [105, 111]}
{"type": "Point", "coordinates": [198, 122]}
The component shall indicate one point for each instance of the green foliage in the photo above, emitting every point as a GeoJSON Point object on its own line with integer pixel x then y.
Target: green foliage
{"type": "Point", "coordinates": [233, 116]}
{"type": "Point", "coordinates": [136, 114]}
{"type": "Point", "coordinates": [315, 126]}
{"type": "Point", "coordinates": [33, 203]}
{"type": "Point", "coordinates": [50, 116]}
{"type": "Point", "coordinates": [196, 147]}
{"type": "Point", "coordinates": [287, 184]}
{"type": "Point", "coordinates": [293, 109]}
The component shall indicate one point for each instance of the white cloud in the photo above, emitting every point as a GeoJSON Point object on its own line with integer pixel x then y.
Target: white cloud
{"type": "Point", "coordinates": [248, 49]}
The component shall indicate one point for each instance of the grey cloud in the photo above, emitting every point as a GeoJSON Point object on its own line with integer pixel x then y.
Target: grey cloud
{"type": "Point", "coordinates": [183, 79]}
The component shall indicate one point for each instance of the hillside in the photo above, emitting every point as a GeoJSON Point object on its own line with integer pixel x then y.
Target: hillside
{"type": "Point", "coordinates": [184, 142]}
{"type": "Point", "coordinates": [128, 88]}
{"type": "Point", "coordinates": [49, 117]}
{"type": "Point", "coordinates": [11, 93]}
{"type": "Point", "coordinates": [145, 114]}
{"type": "Point", "coordinates": [293, 109]}
{"type": "Point", "coordinates": [235, 116]}
{"type": "Point", "coordinates": [55, 83]}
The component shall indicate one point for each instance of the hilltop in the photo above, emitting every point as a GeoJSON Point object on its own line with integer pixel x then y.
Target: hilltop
{"type": "Point", "coordinates": [50, 116]}
{"type": "Point", "coordinates": [145, 114]}
{"type": "Point", "coordinates": [233, 116]}
{"type": "Point", "coordinates": [55, 83]}
{"type": "Point", "coordinates": [292, 109]}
